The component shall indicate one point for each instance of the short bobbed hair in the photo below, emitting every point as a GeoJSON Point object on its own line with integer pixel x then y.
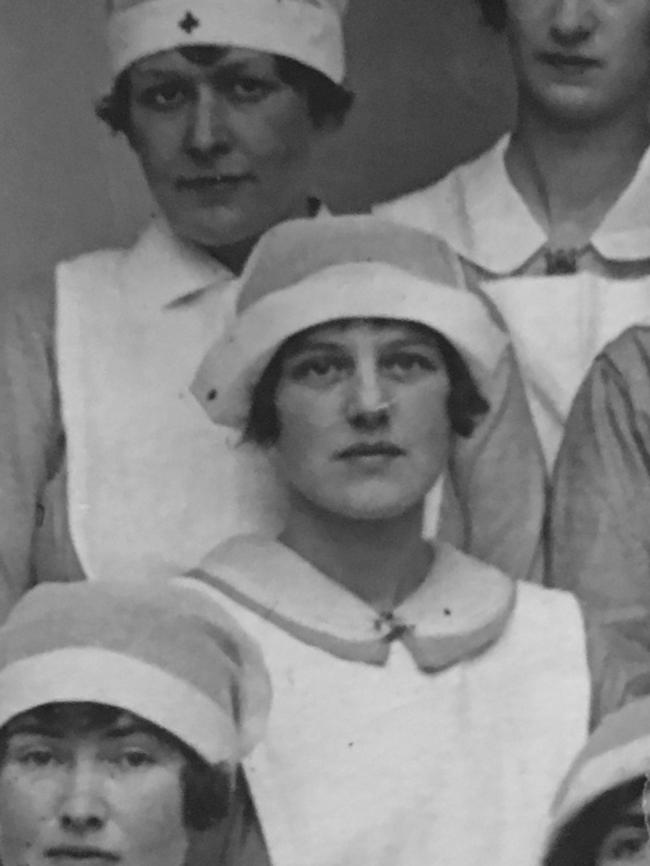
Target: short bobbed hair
{"type": "Point", "coordinates": [582, 837]}
{"type": "Point", "coordinates": [327, 102]}
{"type": "Point", "coordinates": [206, 790]}
{"type": "Point", "coordinates": [465, 403]}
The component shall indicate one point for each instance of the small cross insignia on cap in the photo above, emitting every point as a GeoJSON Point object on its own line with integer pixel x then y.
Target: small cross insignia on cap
{"type": "Point", "coordinates": [189, 23]}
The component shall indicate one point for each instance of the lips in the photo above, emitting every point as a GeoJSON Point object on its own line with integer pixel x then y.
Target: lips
{"type": "Point", "coordinates": [76, 853]}
{"type": "Point", "coordinates": [213, 181]}
{"type": "Point", "coordinates": [576, 62]}
{"type": "Point", "coordinates": [370, 449]}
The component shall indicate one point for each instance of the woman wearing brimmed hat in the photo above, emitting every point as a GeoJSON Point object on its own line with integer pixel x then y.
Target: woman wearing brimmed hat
{"type": "Point", "coordinates": [125, 709]}
{"type": "Point", "coordinates": [602, 813]}
{"type": "Point", "coordinates": [425, 705]}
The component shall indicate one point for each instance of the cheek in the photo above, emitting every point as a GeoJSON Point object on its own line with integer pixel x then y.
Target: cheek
{"type": "Point", "coordinates": [276, 141]}
{"type": "Point", "coordinates": [156, 143]}
{"type": "Point", "coordinates": [428, 426]}
{"type": "Point", "coordinates": [307, 432]}
{"type": "Point", "coordinates": [24, 814]}
{"type": "Point", "coordinates": [151, 815]}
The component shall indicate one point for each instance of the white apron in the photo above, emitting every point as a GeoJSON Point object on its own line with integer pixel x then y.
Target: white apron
{"type": "Point", "coordinates": [390, 765]}
{"type": "Point", "coordinates": [152, 483]}
{"type": "Point", "coordinates": [558, 325]}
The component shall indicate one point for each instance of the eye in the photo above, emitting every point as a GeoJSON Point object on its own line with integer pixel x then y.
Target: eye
{"type": "Point", "coordinates": [247, 88]}
{"type": "Point", "coordinates": [134, 759]}
{"type": "Point", "coordinates": [36, 757]}
{"type": "Point", "coordinates": [320, 371]}
{"type": "Point", "coordinates": [164, 96]}
{"type": "Point", "coordinates": [624, 845]}
{"type": "Point", "coordinates": [408, 362]}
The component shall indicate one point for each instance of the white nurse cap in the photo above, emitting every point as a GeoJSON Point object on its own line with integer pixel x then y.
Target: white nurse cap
{"type": "Point", "coordinates": [310, 31]}
{"type": "Point", "coordinates": [157, 649]}
{"type": "Point", "coordinates": [308, 272]}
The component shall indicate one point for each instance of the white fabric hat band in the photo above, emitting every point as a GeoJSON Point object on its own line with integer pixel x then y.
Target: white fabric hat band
{"type": "Point", "coordinates": [96, 675]}
{"type": "Point", "coordinates": [348, 291]}
{"type": "Point", "coordinates": [310, 32]}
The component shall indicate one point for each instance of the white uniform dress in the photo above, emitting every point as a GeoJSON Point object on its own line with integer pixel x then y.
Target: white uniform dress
{"type": "Point", "coordinates": [434, 733]}
{"type": "Point", "coordinates": [560, 322]}
{"type": "Point", "coordinates": [153, 484]}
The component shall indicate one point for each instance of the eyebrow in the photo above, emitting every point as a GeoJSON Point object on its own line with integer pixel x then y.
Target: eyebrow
{"type": "Point", "coordinates": [403, 341]}
{"type": "Point", "coordinates": [220, 66]}
{"type": "Point", "coordinates": [129, 729]}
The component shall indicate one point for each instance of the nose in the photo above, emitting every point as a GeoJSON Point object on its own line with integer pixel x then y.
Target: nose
{"type": "Point", "coordinates": [573, 21]}
{"type": "Point", "coordinates": [207, 132]}
{"type": "Point", "coordinates": [82, 808]}
{"type": "Point", "coordinates": [368, 406]}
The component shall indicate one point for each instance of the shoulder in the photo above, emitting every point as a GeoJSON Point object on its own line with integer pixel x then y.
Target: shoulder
{"type": "Point", "coordinates": [628, 356]}
{"type": "Point", "coordinates": [91, 264]}
{"type": "Point", "coordinates": [431, 207]}
{"type": "Point", "coordinates": [620, 377]}
{"type": "Point", "coordinates": [540, 602]}
{"type": "Point", "coordinates": [426, 209]}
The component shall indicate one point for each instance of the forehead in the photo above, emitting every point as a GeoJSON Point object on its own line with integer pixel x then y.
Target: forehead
{"type": "Point", "coordinates": [196, 58]}
{"type": "Point", "coordinates": [76, 720]}
{"type": "Point", "coordinates": [380, 331]}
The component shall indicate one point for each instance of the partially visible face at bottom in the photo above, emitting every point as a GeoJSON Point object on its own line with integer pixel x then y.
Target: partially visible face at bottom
{"type": "Point", "coordinates": [627, 842]}
{"type": "Point", "coordinates": [71, 796]}
{"type": "Point", "coordinates": [364, 424]}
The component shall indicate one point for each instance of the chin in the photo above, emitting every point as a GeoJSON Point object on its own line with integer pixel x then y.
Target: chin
{"type": "Point", "coordinates": [572, 106]}
{"type": "Point", "coordinates": [213, 228]}
{"type": "Point", "coordinates": [376, 507]}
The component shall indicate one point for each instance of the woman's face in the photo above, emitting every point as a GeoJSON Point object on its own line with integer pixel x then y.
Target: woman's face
{"type": "Point", "coordinates": [225, 144]}
{"type": "Point", "coordinates": [91, 798]}
{"type": "Point", "coordinates": [362, 409]}
{"type": "Point", "coordinates": [626, 842]}
{"type": "Point", "coordinates": [581, 61]}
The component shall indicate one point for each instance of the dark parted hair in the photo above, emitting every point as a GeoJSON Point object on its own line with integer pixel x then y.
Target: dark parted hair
{"type": "Point", "coordinates": [327, 102]}
{"type": "Point", "coordinates": [206, 789]}
{"type": "Point", "coordinates": [465, 403]}
{"type": "Point", "coordinates": [494, 12]}
{"type": "Point", "coordinates": [580, 840]}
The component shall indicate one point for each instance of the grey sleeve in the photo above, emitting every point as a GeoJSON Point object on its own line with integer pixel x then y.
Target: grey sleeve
{"type": "Point", "coordinates": [498, 474]}
{"type": "Point", "coordinates": [31, 433]}
{"type": "Point", "coordinates": [599, 529]}
{"type": "Point", "coordinates": [618, 653]}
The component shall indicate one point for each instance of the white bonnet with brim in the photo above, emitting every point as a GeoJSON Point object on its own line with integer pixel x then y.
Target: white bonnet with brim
{"type": "Point", "coordinates": [310, 31]}
{"type": "Point", "coordinates": [617, 752]}
{"type": "Point", "coordinates": [159, 650]}
{"type": "Point", "coordinates": [305, 273]}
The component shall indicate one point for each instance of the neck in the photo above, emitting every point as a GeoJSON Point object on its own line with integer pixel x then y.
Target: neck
{"type": "Point", "coordinates": [235, 255]}
{"type": "Point", "coordinates": [570, 176]}
{"type": "Point", "coordinates": [381, 561]}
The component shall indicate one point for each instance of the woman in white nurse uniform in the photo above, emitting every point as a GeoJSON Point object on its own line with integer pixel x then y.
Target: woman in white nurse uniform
{"type": "Point", "coordinates": [225, 103]}
{"type": "Point", "coordinates": [555, 218]}
{"type": "Point", "coordinates": [425, 704]}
